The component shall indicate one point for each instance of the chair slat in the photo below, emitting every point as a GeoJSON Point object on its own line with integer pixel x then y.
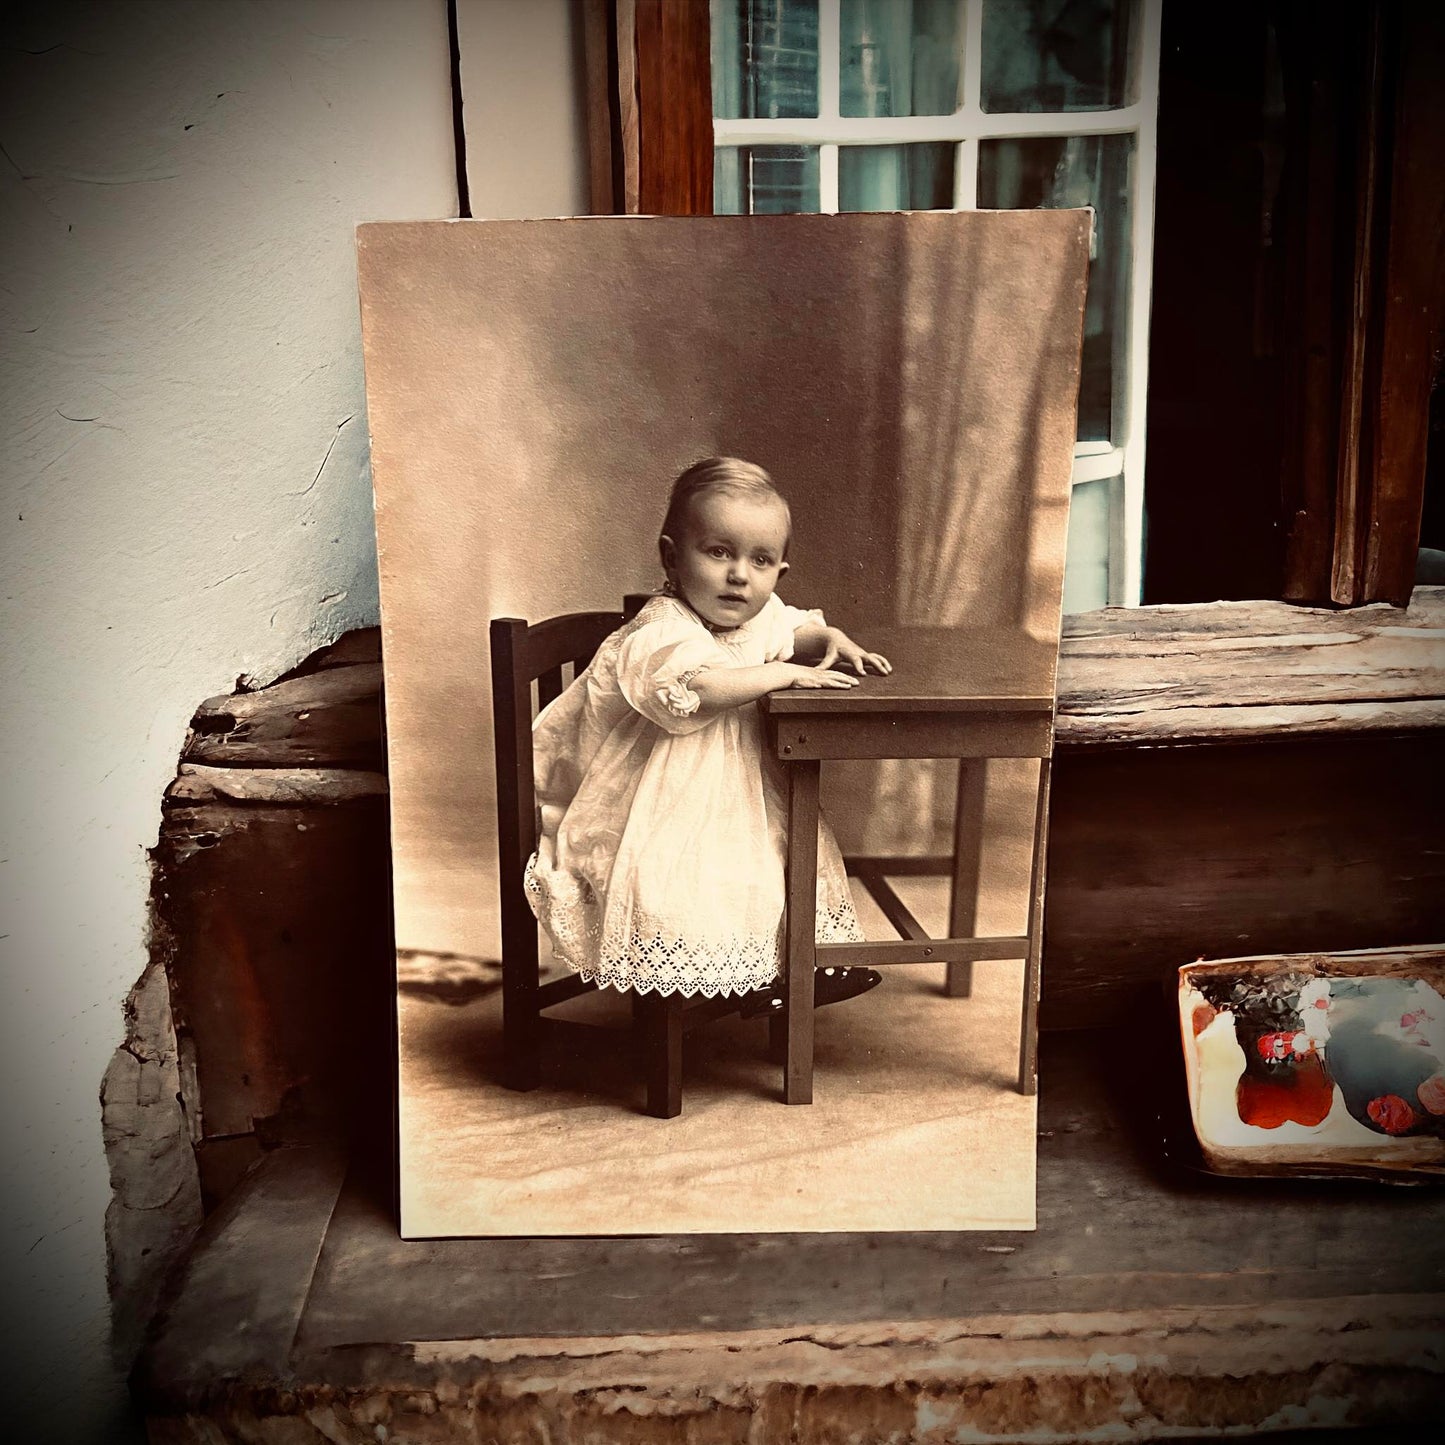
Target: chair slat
{"type": "Point", "coordinates": [560, 639]}
{"type": "Point", "coordinates": [559, 990]}
{"type": "Point", "coordinates": [549, 687]}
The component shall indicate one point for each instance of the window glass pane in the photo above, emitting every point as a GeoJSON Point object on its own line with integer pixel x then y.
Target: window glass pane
{"type": "Point", "coordinates": [1086, 565]}
{"type": "Point", "coordinates": [1086, 170]}
{"type": "Point", "coordinates": [899, 57]}
{"type": "Point", "coordinates": [764, 180]}
{"type": "Point", "coordinates": [764, 58]}
{"type": "Point", "coordinates": [1055, 54]}
{"type": "Point", "coordinates": [895, 178]}
{"type": "Point", "coordinates": [727, 182]}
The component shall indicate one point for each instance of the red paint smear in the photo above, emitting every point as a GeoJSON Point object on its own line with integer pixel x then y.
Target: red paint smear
{"type": "Point", "coordinates": [1391, 1113]}
{"type": "Point", "coordinates": [1275, 1047]}
{"type": "Point", "coordinates": [1301, 1096]}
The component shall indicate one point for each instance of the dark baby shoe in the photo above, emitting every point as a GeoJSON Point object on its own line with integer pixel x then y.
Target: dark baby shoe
{"type": "Point", "coordinates": [830, 985]}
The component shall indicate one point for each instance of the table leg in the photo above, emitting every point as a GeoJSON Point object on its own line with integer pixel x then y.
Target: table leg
{"type": "Point", "coordinates": [967, 852]}
{"type": "Point", "coordinates": [801, 926]}
{"type": "Point", "coordinates": [662, 1054]}
{"type": "Point", "coordinates": [1029, 1025]}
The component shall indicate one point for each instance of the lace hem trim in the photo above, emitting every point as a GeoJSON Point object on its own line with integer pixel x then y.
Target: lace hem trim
{"type": "Point", "coordinates": [647, 961]}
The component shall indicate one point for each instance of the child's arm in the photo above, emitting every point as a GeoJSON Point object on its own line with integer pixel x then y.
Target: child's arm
{"type": "Point", "coordinates": [721, 688]}
{"type": "Point", "coordinates": [832, 644]}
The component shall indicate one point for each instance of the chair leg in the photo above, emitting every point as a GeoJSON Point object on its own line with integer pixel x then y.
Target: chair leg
{"type": "Point", "coordinates": [521, 1025]}
{"type": "Point", "coordinates": [659, 1022]}
{"type": "Point", "coordinates": [1029, 1025]}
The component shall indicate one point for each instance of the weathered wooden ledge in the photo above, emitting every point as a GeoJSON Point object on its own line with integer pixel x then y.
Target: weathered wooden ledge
{"type": "Point", "coordinates": [1251, 671]}
{"type": "Point", "coordinates": [1149, 1303]}
{"type": "Point", "coordinates": [1192, 816]}
{"type": "Point", "coordinates": [1238, 778]}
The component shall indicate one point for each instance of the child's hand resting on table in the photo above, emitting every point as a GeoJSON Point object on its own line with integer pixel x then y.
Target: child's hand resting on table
{"type": "Point", "coordinates": [839, 647]}
{"type": "Point", "coordinates": [797, 674]}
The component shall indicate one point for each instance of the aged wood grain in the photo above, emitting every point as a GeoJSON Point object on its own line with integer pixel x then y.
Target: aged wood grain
{"type": "Point", "coordinates": [1210, 1304]}
{"type": "Point", "coordinates": [1221, 1372]}
{"type": "Point", "coordinates": [1411, 323]}
{"type": "Point", "coordinates": [1222, 619]}
{"type": "Point", "coordinates": [603, 131]}
{"type": "Point", "coordinates": [1237, 670]}
{"type": "Point", "coordinates": [1426, 961]}
{"type": "Point", "coordinates": [241, 1292]}
{"type": "Point", "coordinates": [1118, 1231]}
{"type": "Point", "coordinates": [1162, 855]}
{"type": "Point", "coordinates": [329, 718]}
{"type": "Point", "coordinates": [1359, 99]}
{"type": "Point", "coordinates": [674, 107]}
{"type": "Point", "coordinates": [281, 962]}
{"type": "Point", "coordinates": [199, 783]}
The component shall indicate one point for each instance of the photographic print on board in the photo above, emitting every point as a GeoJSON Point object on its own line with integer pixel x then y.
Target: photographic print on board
{"type": "Point", "coordinates": [884, 406]}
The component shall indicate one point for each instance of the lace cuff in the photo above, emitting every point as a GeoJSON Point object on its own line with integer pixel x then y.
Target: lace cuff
{"type": "Point", "coordinates": [677, 697]}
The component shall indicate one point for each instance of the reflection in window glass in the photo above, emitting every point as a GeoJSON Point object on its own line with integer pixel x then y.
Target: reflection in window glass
{"type": "Point", "coordinates": [899, 58]}
{"type": "Point", "coordinates": [895, 178]}
{"type": "Point", "coordinates": [1055, 54]}
{"type": "Point", "coordinates": [764, 58]}
{"type": "Point", "coordinates": [764, 180]}
{"type": "Point", "coordinates": [1086, 564]}
{"type": "Point", "coordinates": [1086, 170]}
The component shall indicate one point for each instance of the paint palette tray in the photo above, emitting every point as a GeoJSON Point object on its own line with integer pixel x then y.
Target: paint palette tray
{"type": "Point", "coordinates": [1313, 1064]}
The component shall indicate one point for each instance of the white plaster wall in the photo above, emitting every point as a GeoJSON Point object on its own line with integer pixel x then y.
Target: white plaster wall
{"type": "Point", "coordinates": [186, 499]}
{"type": "Point", "coordinates": [523, 107]}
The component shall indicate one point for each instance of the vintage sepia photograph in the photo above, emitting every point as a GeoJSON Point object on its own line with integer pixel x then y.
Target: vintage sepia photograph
{"type": "Point", "coordinates": [683, 528]}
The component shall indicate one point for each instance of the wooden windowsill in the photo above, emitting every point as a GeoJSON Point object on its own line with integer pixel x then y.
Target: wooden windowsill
{"type": "Point", "coordinates": [1248, 671]}
{"type": "Point", "coordinates": [1148, 1293]}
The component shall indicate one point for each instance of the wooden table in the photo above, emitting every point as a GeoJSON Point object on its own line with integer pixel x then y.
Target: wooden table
{"type": "Point", "coordinates": [970, 695]}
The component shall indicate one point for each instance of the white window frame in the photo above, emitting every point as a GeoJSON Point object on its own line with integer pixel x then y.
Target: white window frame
{"type": "Point", "coordinates": [1122, 456]}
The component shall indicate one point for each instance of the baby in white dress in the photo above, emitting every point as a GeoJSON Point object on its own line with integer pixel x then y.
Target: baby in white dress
{"type": "Point", "coordinates": [660, 862]}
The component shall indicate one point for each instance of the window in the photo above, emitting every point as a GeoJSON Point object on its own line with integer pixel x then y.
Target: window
{"type": "Point", "coordinates": [877, 105]}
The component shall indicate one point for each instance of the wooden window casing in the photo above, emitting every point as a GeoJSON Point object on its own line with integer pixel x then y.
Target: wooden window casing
{"type": "Point", "coordinates": [1369, 230]}
{"type": "Point", "coordinates": [1362, 234]}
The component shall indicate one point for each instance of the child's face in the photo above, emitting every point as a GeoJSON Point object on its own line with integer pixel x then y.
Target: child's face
{"type": "Point", "coordinates": [730, 556]}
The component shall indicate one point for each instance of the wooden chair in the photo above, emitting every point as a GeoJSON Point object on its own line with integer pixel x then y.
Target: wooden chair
{"type": "Point", "coordinates": [531, 664]}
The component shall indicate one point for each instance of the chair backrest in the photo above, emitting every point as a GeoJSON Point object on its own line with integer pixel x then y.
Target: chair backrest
{"type": "Point", "coordinates": [527, 674]}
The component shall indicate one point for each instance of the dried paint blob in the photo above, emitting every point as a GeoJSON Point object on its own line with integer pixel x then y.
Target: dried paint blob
{"type": "Point", "coordinates": [1431, 1094]}
{"type": "Point", "coordinates": [1391, 1113]}
{"type": "Point", "coordinates": [1340, 1060]}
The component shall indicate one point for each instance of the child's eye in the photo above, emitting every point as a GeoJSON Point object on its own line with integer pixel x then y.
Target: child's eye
{"type": "Point", "coordinates": [717, 551]}
{"type": "Point", "coordinates": [763, 561]}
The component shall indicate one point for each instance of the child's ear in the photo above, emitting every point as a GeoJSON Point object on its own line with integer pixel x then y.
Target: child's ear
{"type": "Point", "coordinates": [782, 568]}
{"type": "Point", "coordinates": [667, 551]}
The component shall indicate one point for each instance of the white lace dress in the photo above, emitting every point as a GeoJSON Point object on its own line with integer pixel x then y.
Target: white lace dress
{"type": "Point", "coordinates": [660, 862]}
